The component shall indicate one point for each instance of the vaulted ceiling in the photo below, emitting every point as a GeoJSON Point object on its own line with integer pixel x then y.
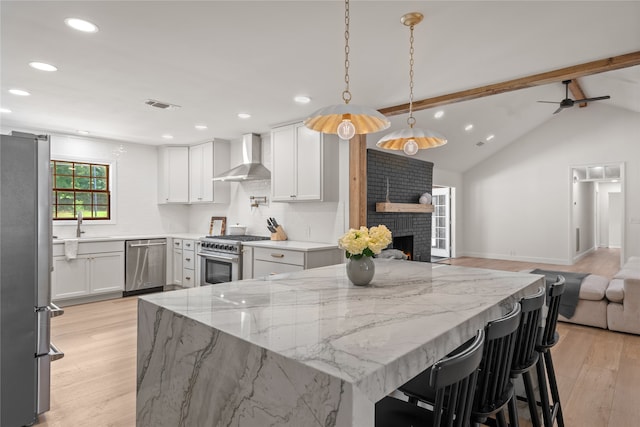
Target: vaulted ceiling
{"type": "Point", "coordinates": [216, 59]}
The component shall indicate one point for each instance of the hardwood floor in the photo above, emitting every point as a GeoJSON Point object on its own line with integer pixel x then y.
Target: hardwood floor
{"type": "Point", "coordinates": [94, 384]}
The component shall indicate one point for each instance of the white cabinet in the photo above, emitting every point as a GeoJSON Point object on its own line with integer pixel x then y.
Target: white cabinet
{"type": "Point", "coordinates": [304, 165]}
{"type": "Point", "coordinates": [268, 261]}
{"type": "Point", "coordinates": [97, 270]}
{"type": "Point", "coordinates": [206, 161]}
{"type": "Point", "coordinates": [185, 272]}
{"type": "Point", "coordinates": [173, 175]}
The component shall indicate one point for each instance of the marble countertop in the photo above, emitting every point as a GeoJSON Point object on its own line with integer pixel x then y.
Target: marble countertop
{"type": "Point", "coordinates": [374, 337]}
{"type": "Point", "coordinates": [292, 245]}
{"type": "Point", "coordinates": [191, 236]}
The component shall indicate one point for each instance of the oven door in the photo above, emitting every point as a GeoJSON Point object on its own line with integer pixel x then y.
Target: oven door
{"type": "Point", "coordinates": [218, 268]}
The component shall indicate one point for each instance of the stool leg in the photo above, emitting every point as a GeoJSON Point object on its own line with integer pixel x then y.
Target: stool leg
{"type": "Point", "coordinates": [531, 398]}
{"type": "Point", "coordinates": [513, 410]}
{"type": "Point", "coordinates": [553, 384]}
{"type": "Point", "coordinates": [544, 394]}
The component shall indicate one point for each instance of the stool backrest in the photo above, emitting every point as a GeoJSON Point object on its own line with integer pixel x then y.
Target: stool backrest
{"type": "Point", "coordinates": [494, 386]}
{"type": "Point", "coordinates": [554, 294]}
{"type": "Point", "coordinates": [454, 379]}
{"type": "Point", "coordinates": [525, 354]}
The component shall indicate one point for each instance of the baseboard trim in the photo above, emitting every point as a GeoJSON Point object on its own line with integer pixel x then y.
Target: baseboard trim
{"type": "Point", "coordinates": [506, 257]}
{"type": "Point", "coordinates": [581, 255]}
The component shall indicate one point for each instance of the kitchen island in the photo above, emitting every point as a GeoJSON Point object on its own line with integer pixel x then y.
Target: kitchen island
{"type": "Point", "coordinates": [307, 348]}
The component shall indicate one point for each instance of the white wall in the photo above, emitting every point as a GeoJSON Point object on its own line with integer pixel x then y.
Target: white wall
{"type": "Point", "coordinates": [606, 215]}
{"type": "Point", "coordinates": [517, 203]}
{"type": "Point", "coordinates": [135, 189]}
{"type": "Point", "coordinates": [308, 221]}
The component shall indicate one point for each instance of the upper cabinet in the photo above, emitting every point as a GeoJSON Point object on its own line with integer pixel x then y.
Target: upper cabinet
{"type": "Point", "coordinates": [173, 175]}
{"type": "Point", "coordinates": [206, 161]}
{"type": "Point", "coordinates": [185, 174]}
{"type": "Point", "coordinates": [304, 165]}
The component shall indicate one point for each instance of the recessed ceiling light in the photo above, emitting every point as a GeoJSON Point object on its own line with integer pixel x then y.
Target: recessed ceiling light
{"type": "Point", "coordinates": [81, 25]}
{"type": "Point", "coordinates": [468, 127]}
{"type": "Point", "coordinates": [490, 137]}
{"type": "Point", "coordinates": [42, 66]}
{"type": "Point", "coordinates": [83, 132]}
{"type": "Point", "coordinates": [244, 115]}
{"type": "Point", "coordinates": [19, 92]}
{"type": "Point", "coordinates": [167, 136]}
{"type": "Point", "coordinates": [201, 127]}
{"type": "Point", "coordinates": [301, 99]}
{"type": "Point", "coordinates": [4, 110]}
{"type": "Point", "coordinates": [438, 114]}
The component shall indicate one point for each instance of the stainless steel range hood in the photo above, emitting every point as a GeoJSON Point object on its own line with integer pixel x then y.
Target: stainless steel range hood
{"type": "Point", "coordinates": [251, 169]}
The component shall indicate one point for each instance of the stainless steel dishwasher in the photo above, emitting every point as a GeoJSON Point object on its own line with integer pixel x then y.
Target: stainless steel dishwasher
{"type": "Point", "coordinates": [145, 266]}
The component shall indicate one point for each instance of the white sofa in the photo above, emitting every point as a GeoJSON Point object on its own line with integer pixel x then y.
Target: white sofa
{"type": "Point", "coordinates": [623, 293]}
{"type": "Point", "coordinates": [592, 304]}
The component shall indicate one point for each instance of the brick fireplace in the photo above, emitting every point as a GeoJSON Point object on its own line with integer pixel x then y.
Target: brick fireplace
{"type": "Point", "coordinates": [408, 179]}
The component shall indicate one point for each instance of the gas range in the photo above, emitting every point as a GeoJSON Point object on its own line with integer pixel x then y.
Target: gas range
{"type": "Point", "coordinates": [231, 244]}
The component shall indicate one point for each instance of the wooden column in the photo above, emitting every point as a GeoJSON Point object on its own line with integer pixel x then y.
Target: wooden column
{"type": "Point", "coordinates": [358, 181]}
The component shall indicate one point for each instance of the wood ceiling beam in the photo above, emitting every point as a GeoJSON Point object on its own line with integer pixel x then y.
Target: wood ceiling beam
{"type": "Point", "coordinates": [577, 92]}
{"type": "Point", "coordinates": [567, 73]}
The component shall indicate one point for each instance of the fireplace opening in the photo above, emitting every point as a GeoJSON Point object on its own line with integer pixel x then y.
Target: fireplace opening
{"type": "Point", "coordinates": [404, 244]}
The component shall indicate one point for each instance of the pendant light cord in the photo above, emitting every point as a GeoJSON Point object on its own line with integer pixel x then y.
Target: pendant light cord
{"type": "Point", "coordinates": [346, 94]}
{"type": "Point", "coordinates": [411, 120]}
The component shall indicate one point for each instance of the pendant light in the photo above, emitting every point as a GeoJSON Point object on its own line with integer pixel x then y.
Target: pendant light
{"type": "Point", "coordinates": [347, 119]}
{"type": "Point", "coordinates": [413, 139]}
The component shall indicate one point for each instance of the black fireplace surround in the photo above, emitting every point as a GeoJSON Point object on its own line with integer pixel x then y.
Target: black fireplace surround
{"type": "Point", "coordinates": [408, 179]}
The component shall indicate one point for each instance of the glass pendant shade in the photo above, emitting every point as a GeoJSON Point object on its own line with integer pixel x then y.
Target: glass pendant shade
{"type": "Point", "coordinates": [363, 119]}
{"type": "Point", "coordinates": [421, 138]}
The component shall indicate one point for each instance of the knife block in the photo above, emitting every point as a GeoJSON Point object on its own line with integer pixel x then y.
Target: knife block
{"type": "Point", "coordinates": [279, 234]}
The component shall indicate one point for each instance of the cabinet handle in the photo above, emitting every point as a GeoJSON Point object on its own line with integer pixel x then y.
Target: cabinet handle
{"type": "Point", "coordinates": [277, 255]}
{"type": "Point", "coordinates": [187, 278]}
{"type": "Point", "coordinates": [176, 243]}
{"type": "Point", "coordinates": [187, 259]}
{"type": "Point", "coordinates": [293, 196]}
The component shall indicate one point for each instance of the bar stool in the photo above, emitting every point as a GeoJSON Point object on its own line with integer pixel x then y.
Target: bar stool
{"type": "Point", "coordinates": [494, 388]}
{"type": "Point", "coordinates": [525, 357]}
{"type": "Point", "coordinates": [548, 338]}
{"type": "Point", "coordinates": [454, 380]}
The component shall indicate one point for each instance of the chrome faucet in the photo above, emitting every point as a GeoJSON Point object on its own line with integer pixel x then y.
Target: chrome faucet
{"type": "Point", "coordinates": [78, 230]}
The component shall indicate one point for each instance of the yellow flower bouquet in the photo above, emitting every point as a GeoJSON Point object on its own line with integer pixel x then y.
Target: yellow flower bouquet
{"type": "Point", "coordinates": [365, 241]}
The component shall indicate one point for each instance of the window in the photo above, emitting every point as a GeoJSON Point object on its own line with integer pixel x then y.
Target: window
{"type": "Point", "coordinates": [80, 187]}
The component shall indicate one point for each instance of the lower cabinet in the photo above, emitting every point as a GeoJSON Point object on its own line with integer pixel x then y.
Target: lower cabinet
{"type": "Point", "coordinates": [268, 261]}
{"type": "Point", "coordinates": [87, 275]}
{"type": "Point", "coordinates": [184, 263]}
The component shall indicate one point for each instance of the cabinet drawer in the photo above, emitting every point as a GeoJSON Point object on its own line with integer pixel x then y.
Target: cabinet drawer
{"type": "Point", "coordinates": [188, 245]}
{"type": "Point", "coordinates": [283, 256]}
{"type": "Point", "coordinates": [188, 259]}
{"type": "Point", "coordinates": [177, 243]}
{"type": "Point", "coordinates": [263, 268]}
{"type": "Point", "coordinates": [188, 278]}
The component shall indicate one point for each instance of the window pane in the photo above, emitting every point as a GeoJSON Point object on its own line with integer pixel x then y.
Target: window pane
{"type": "Point", "coordinates": [99, 170]}
{"type": "Point", "coordinates": [63, 168]}
{"type": "Point", "coordinates": [82, 169]}
{"type": "Point", "coordinates": [64, 182]}
{"type": "Point", "coordinates": [83, 199]}
{"type": "Point", "coordinates": [65, 198]}
{"type": "Point", "coordinates": [99, 183]}
{"type": "Point", "coordinates": [100, 199]}
{"type": "Point", "coordinates": [86, 211]}
{"type": "Point", "coordinates": [65, 211]}
{"type": "Point", "coordinates": [100, 211]}
{"type": "Point", "coordinates": [83, 183]}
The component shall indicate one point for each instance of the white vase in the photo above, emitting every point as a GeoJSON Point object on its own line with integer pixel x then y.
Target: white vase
{"type": "Point", "coordinates": [360, 271]}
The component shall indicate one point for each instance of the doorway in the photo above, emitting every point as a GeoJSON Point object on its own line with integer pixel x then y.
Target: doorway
{"type": "Point", "coordinates": [597, 209]}
{"type": "Point", "coordinates": [441, 223]}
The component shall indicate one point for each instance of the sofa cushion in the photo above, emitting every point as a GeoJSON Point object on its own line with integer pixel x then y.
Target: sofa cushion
{"type": "Point", "coordinates": [593, 287]}
{"type": "Point", "coordinates": [615, 291]}
{"type": "Point", "coordinates": [628, 273]}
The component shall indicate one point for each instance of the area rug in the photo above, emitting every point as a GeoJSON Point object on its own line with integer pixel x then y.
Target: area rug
{"type": "Point", "coordinates": [572, 282]}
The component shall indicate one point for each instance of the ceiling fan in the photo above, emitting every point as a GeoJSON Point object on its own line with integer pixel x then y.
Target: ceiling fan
{"type": "Point", "coordinates": [568, 102]}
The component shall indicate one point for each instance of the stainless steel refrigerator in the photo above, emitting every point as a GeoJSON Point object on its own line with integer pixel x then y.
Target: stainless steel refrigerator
{"type": "Point", "coordinates": [25, 270]}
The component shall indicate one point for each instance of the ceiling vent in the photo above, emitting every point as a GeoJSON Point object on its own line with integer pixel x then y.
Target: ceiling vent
{"type": "Point", "coordinates": [160, 104]}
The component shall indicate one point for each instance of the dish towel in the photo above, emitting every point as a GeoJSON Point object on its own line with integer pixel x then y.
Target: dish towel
{"type": "Point", "coordinates": [71, 249]}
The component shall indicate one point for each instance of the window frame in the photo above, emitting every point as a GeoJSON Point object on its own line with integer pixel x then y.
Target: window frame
{"type": "Point", "coordinates": [110, 178]}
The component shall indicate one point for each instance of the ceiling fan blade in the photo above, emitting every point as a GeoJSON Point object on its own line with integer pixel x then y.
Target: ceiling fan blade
{"type": "Point", "coordinates": [558, 110]}
{"type": "Point", "coordinates": [550, 102]}
{"type": "Point", "coordinates": [598, 98]}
